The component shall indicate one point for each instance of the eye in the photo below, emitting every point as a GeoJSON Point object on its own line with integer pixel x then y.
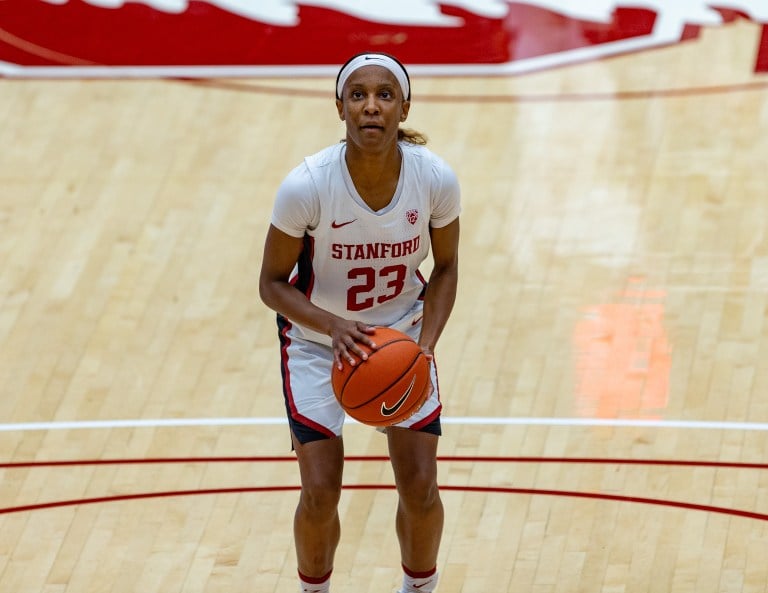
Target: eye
{"type": "Point", "coordinates": [356, 94]}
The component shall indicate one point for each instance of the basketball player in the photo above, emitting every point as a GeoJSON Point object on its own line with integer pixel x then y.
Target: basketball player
{"type": "Point", "coordinates": [349, 228]}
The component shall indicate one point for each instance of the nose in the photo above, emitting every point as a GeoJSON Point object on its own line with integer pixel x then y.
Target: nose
{"type": "Point", "coordinates": [371, 105]}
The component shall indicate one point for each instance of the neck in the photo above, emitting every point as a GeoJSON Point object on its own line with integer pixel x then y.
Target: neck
{"type": "Point", "coordinates": [365, 163]}
{"type": "Point", "coordinates": [375, 175]}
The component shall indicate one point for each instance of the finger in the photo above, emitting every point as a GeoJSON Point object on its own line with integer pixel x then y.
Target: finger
{"type": "Point", "coordinates": [352, 352]}
{"type": "Point", "coordinates": [356, 349]}
{"type": "Point", "coordinates": [342, 353]}
{"type": "Point", "coordinates": [364, 336]}
{"type": "Point", "coordinates": [366, 341]}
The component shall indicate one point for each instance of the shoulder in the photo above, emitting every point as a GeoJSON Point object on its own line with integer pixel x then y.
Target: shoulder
{"type": "Point", "coordinates": [417, 152]}
{"type": "Point", "coordinates": [438, 176]}
{"type": "Point", "coordinates": [305, 174]}
{"type": "Point", "coordinates": [431, 161]}
{"type": "Point", "coordinates": [297, 204]}
{"type": "Point", "coordinates": [435, 170]}
{"type": "Point", "coordinates": [327, 157]}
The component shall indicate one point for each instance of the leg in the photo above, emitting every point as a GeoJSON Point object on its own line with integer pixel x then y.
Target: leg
{"type": "Point", "coordinates": [420, 510]}
{"type": "Point", "coordinates": [316, 523]}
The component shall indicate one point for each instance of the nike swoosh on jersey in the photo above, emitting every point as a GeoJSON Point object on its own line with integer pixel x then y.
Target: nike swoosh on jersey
{"type": "Point", "coordinates": [387, 411]}
{"type": "Point", "coordinates": [338, 225]}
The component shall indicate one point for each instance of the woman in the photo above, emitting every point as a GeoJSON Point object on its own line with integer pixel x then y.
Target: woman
{"type": "Point", "coordinates": [329, 272]}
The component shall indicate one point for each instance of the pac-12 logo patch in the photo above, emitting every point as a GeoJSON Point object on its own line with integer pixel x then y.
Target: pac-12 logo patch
{"type": "Point", "coordinates": [412, 216]}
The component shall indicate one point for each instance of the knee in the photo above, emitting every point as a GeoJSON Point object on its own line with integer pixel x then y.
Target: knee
{"type": "Point", "coordinates": [418, 491]}
{"type": "Point", "coordinates": [320, 497]}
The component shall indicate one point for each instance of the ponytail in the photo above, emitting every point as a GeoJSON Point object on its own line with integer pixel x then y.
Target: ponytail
{"type": "Point", "coordinates": [412, 136]}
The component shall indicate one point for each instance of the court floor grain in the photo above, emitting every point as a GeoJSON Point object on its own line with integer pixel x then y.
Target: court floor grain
{"type": "Point", "coordinates": [604, 373]}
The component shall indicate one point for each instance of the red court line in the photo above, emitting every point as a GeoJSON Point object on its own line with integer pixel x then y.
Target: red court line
{"type": "Point", "coordinates": [384, 458]}
{"type": "Point", "coordinates": [479, 489]}
{"type": "Point", "coordinates": [617, 498]}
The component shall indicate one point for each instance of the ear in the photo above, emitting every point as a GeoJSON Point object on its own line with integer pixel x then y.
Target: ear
{"type": "Point", "coordinates": [340, 109]}
{"type": "Point", "coordinates": [404, 110]}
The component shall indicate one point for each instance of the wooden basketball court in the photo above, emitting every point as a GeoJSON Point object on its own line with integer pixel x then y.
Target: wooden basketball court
{"type": "Point", "coordinates": [604, 372]}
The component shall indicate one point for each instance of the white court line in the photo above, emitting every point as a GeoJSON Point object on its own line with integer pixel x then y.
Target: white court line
{"type": "Point", "coordinates": [467, 421]}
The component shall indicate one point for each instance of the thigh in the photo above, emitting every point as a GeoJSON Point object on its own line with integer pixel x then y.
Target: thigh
{"type": "Point", "coordinates": [413, 454]}
{"type": "Point", "coordinates": [321, 463]}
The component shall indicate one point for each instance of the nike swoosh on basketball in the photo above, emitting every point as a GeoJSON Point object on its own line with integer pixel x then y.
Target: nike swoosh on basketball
{"type": "Point", "coordinates": [387, 411]}
{"type": "Point", "coordinates": [338, 225]}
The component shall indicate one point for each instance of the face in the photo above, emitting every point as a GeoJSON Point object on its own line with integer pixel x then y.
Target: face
{"type": "Point", "coordinates": [372, 106]}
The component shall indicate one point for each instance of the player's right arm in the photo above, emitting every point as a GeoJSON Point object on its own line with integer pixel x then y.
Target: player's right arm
{"type": "Point", "coordinates": [281, 252]}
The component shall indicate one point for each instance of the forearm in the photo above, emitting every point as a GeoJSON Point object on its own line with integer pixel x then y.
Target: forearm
{"type": "Point", "coordinates": [287, 300]}
{"type": "Point", "coordinates": [438, 304]}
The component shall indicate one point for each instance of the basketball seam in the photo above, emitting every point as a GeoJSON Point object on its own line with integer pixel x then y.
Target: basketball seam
{"type": "Point", "coordinates": [403, 374]}
{"type": "Point", "coordinates": [344, 385]}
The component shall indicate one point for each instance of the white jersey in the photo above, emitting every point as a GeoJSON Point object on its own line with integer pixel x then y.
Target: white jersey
{"type": "Point", "coordinates": [358, 263]}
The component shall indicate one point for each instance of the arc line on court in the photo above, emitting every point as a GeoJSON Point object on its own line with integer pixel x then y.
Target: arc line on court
{"type": "Point", "coordinates": [477, 489]}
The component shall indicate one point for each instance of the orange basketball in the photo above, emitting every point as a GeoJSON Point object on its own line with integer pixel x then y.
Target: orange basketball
{"type": "Point", "coordinates": [387, 388]}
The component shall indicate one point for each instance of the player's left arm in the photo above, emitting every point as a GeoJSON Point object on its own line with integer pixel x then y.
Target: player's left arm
{"type": "Point", "coordinates": [443, 282]}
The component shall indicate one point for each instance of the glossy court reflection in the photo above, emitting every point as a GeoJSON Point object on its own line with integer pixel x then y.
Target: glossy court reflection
{"type": "Point", "coordinates": [623, 357]}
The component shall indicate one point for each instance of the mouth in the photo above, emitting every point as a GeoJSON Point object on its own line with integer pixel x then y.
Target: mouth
{"type": "Point", "coordinates": [372, 127]}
